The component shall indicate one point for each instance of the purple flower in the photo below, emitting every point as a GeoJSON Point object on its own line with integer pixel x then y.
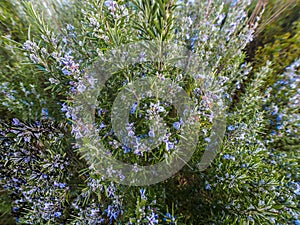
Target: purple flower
{"type": "Point", "coordinates": [76, 131]}
{"type": "Point", "coordinates": [34, 58]}
{"type": "Point", "coordinates": [197, 92]}
{"type": "Point", "coordinates": [66, 110]}
{"type": "Point", "coordinates": [53, 81]}
{"type": "Point", "coordinates": [111, 5]}
{"type": "Point", "coordinates": [30, 46]}
{"type": "Point", "coordinates": [16, 122]}
{"type": "Point", "coordinates": [81, 87]}
{"type": "Point", "coordinates": [27, 160]}
{"type": "Point", "coordinates": [91, 81]}
{"type": "Point", "coordinates": [27, 139]}
{"type": "Point", "coordinates": [208, 187]}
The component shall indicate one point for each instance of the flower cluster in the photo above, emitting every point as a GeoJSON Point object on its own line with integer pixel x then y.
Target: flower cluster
{"type": "Point", "coordinates": [33, 174]}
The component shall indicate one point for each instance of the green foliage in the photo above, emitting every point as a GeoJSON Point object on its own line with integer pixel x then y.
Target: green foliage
{"type": "Point", "coordinates": [277, 37]}
{"type": "Point", "coordinates": [284, 50]}
{"type": "Point", "coordinates": [277, 19]}
{"type": "Point", "coordinates": [43, 167]}
{"type": "Point", "coordinates": [5, 209]}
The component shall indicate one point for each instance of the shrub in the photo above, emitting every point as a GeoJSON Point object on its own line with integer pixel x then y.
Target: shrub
{"type": "Point", "coordinates": [54, 176]}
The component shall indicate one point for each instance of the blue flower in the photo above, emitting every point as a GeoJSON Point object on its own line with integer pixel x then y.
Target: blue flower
{"type": "Point", "coordinates": [176, 125]}
{"type": "Point", "coordinates": [16, 122]}
{"type": "Point", "coordinates": [111, 191]}
{"type": "Point", "coordinates": [153, 219]}
{"type": "Point", "coordinates": [112, 213]}
{"type": "Point", "coordinates": [57, 214]}
{"type": "Point", "coordinates": [62, 185]}
{"type": "Point", "coordinates": [81, 87]}
{"type": "Point", "coordinates": [207, 139]}
{"type": "Point", "coordinates": [142, 192]}
{"type": "Point", "coordinates": [230, 127]}
{"type": "Point", "coordinates": [66, 72]}
{"type": "Point", "coordinates": [297, 188]}
{"type": "Point", "coordinates": [279, 127]}
{"type": "Point", "coordinates": [297, 222]}
{"type": "Point", "coordinates": [27, 139]}
{"type": "Point", "coordinates": [133, 108]}
{"type": "Point", "coordinates": [227, 156]}
{"type": "Point", "coordinates": [282, 82]}
{"type": "Point", "coordinates": [169, 145]}
{"type": "Point", "coordinates": [169, 218]}
{"type": "Point", "coordinates": [275, 111]}
{"type": "Point", "coordinates": [151, 133]}
{"type": "Point", "coordinates": [168, 215]}
{"type": "Point", "coordinates": [27, 160]}
{"type": "Point", "coordinates": [70, 27]}
{"type": "Point", "coordinates": [45, 112]}
{"type": "Point", "coordinates": [208, 187]}
{"type": "Point", "coordinates": [279, 117]}
{"type": "Point", "coordinates": [126, 149]}
{"type": "Point", "coordinates": [102, 125]}
{"type": "Point", "coordinates": [233, 3]}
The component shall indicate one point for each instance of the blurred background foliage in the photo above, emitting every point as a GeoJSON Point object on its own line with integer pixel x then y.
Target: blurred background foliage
{"type": "Point", "coordinates": [277, 37]}
{"type": "Point", "coordinates": [277, 40]}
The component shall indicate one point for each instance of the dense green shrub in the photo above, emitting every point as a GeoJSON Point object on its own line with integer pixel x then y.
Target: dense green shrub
{"type": "Point", "coordinates": [51, 181]}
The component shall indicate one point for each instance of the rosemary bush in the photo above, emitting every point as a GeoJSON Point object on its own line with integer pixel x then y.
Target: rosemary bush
{"type": "Point", "coordinates": [254, 178]}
